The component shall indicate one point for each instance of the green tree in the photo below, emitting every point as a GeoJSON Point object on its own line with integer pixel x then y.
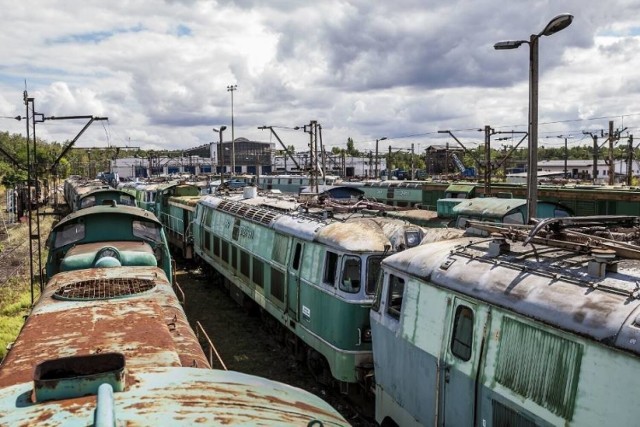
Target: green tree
{"type": "Point", "coordinates": [351, 150]}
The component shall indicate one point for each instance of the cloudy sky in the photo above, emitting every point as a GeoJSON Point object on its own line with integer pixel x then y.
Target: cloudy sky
{"type": "Point", "coordinates": [364, 69]}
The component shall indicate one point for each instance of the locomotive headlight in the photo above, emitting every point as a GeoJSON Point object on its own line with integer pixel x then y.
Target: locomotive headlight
{"type": "Point", "coordinates": [412, 237]}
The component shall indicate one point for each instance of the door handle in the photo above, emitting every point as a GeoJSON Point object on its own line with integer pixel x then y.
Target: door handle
{"type": "Point", "coordinates": [447, 373]}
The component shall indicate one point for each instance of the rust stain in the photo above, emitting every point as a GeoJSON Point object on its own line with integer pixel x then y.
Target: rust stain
{"type": "Point", "coordinates": [136, 326]}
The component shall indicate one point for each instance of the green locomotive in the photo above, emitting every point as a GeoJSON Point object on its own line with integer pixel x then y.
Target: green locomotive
{"type": "Point", "coordinates": [107, 236]}
{"type": "Point", "coordinates": [316, 277]}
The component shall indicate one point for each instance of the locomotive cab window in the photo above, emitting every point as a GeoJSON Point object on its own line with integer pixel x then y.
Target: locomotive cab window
{"type": "Point", "coordinates": [147, 230]}
{"type": "Point", "coordinates": [350, 281]}
{"type": "Point", "coordinates": [330, 268]}
{"type": "Point", "coordinates": [70, 233]}
{"type": "Point", "coordinates": [126, 200]}
{"type": "Point", "coordinates": [87, 202]}
{"type": "Point", "coordinates": [462, 335]}
{"type": "Point", "coordinates": [394, 296]}
{"type": "Point", "coordinates": [513, 218]}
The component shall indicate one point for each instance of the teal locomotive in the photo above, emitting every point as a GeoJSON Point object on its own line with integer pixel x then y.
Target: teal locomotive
{"type": "Point", "coordinates": [108, 236]}
{"type": "Point", "coordinates": [496, 332]}
{"type": "Point", "coordinates": [81, 193]}
{"type": "Point", "coordinates": [316, 277]}
{"type": "Point", "coordinates": [175, 206]}
{"type": "Point", "coordinates": [581, 199]}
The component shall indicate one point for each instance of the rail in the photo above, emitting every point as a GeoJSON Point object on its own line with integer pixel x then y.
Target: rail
{"type": "Point", "coordinates": [212, 348]}
{"type": "Point", "coordinates": [176, 287]}
{"type": "Point", "coordinates": [180, 293]}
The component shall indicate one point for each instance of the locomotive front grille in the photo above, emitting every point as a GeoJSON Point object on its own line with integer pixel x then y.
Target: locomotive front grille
{"type": "Point", "coordinates": [104, 288]}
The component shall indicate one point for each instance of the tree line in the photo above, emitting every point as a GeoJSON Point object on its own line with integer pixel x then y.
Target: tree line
{"type": "Point", "coordinates": [89, 162]}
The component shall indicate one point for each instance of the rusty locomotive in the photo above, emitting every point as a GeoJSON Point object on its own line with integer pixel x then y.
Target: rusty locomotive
{"type": "Point", "coordinates": [108, 342]}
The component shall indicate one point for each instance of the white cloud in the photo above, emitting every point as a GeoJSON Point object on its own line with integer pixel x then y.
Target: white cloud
{"type": "Point", "coordinates": [159, 70]}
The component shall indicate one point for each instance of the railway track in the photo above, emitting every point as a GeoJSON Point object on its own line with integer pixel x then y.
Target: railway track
{"type": "Point", "coordinates": [245, 345]}
{"type": "Point", "coordinates": [13, 257]}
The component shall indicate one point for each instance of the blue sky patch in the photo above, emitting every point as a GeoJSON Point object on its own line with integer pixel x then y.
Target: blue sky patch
{"type": "Point", "coordinates": [183, 31]}
{"type": "Point", "coordinates": [94, 37]}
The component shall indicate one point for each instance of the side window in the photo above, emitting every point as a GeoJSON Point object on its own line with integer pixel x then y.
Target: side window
{"type": "Point", "coordinates": [513, 218]}
{"type": "Point", "coordinates": [330, 267]}
{"type": "Point", "coordinates": [257, 274]}
{"type": "Point", "coordinates": [379, 284]}
{"type": "Point", "coordinates": [279, 251]}
{"type": "Point", "coordinates": [394, 296]}
{"type": "Point", "coordinates": [245, 264]}
{"type": "Point", "coordinates": [462, 336]}
{"type": "Point", "coordinates": [207, 241]}
{"type": "Point", "coordinates": [236, 229]}
{"type": "Point", "coordinates": [296, 257]}
{"type": "Point", "coordinates": [373, 273]}
{"type": "Point", "coordinates": [208, 217]}
{"type": "Point", "coordinates": [216, 245]}
{"type": "Point", "coordinates": [350, 281]}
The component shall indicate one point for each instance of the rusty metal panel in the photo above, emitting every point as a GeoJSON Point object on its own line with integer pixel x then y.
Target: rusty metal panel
{"type": "Point", "coordinates": [149, 328]}
{"type": "Point", "coordinates": [539, 366]}
{"type": "Point", "coordinates": [178, 397]}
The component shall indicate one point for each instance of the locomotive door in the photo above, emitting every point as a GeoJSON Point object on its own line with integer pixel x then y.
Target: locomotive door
{"type": "Point", "coordinates": [462, 348]}
{"type": "Point", "coordinates": [293, 279]}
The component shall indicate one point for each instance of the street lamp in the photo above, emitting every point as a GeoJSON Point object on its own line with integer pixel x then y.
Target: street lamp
{"type": "Point", "coordinates": [558, 23]}
{"type": "Point", "coordinates": [232, 88]}
{"type": "Point", "coordinates": [221, 155]}
{"type": "Point", "coordinates": [377, 160]}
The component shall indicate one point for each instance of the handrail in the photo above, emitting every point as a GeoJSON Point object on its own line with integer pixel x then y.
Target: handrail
{"type": "Point", "coordinates": [212, 348]}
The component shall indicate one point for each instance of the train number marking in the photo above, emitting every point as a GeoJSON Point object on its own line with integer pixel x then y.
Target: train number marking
{"type": "Point", "coordinates": [306, 312]}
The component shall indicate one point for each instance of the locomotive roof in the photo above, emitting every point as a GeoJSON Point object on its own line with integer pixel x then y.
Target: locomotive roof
{"type": "Point", "coordinates": [358, 234]}
{"type": "Point", "coordinates": [105, 190]}
{"type": "Point", "coordinates": [111, 210]}
{"type": "Point", "coordinates": [179, 396]}
{"type": "Point", "coordinates": [549, 284]}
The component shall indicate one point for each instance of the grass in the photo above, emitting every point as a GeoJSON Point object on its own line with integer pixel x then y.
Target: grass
{"type": "Point", "coordinates": [15, 304]}
{"type": "Point", "coordinates": [15, 294]}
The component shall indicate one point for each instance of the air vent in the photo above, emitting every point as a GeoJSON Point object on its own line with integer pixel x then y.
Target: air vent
{"type": "Point", "coordinates": [104, 289]}
{"type": "Point", "coordinates": [76, 376]}
{"type": "Point", "coordinates": [252, 213]}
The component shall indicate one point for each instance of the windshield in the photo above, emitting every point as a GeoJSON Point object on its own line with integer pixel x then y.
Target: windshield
{"type": "Point", "coordinates": [87, 202]}
{"type": "Point", "coordinates": [70, 233]}
{"type": "Point", "coordinates": [147, 230]}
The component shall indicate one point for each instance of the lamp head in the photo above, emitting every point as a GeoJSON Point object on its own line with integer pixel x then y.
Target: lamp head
{"type": "Point", "coordinates": [509, 44]}
{"type": "Point", "coordinates": [558, 23]}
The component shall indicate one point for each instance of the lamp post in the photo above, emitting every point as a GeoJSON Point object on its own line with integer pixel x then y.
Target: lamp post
{"type": "Point", "coordinates": [221, 155]}
{"type": "Point", "coordinates": [557, 24]}
{"type": "Point", "coordinates": [232, 88]}
{"type": "Point", "coordinates": [377, 159]}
